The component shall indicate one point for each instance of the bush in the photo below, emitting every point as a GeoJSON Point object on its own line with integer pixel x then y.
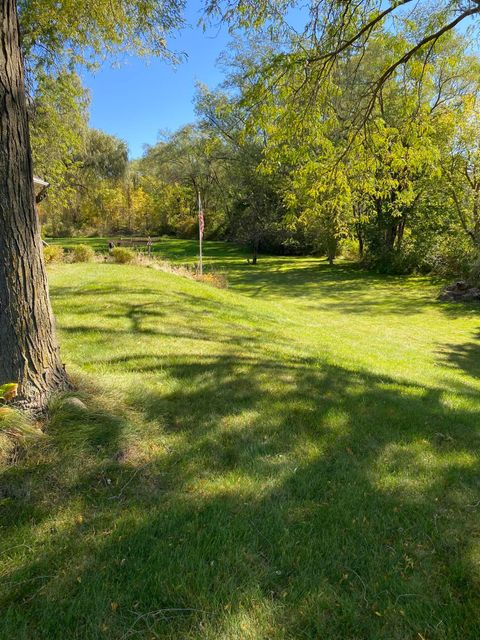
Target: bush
{"type": "Point", "coordinates": [349, 249]}
{"type": "Point", "coordinates": [122, 255]}
{"type": "Point", "coordinates": [474, 273]}
{"type": "Point", "coordinates": [399, 263]}
{"type": "Point", "coordinates": [451, 257]}
{"type": "Point", "coordinates": [82, 253]}
{"type": "Point", "coordinates": [53, 253]}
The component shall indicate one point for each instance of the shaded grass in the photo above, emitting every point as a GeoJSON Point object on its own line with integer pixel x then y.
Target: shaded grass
{"type": "Point", "coordinates": [296, 457]}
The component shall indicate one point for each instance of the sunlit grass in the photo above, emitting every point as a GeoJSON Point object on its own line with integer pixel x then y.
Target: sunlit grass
{"type": "Point", "coordinates": [294, 457]}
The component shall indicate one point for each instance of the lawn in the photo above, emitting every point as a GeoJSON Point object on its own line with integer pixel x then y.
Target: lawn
{"type": "Point", "coordinates": [295, 457]}
{"type": "Point", "coordinates": [217, 254]}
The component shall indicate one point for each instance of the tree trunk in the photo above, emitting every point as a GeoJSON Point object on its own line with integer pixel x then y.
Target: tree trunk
{"type": "Point", "coordinates": [476, 217]}
{"type": "Point", "coordinates": [390, 236]}
{"type": "Point", "coordinates": [255, 251]}
{"type": "Point", "coordinates": [401, 231]}
{"type": "Point", "coordinates": [332, 246]}
{"type": "Point", "coordinates": [358, 210]}
{"type": "Point", "coordinates": [360, 245]}
{"type": "Point", "coordinates": [29, 353]}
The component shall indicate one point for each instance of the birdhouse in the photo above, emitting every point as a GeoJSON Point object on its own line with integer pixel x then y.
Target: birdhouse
{"type": "Point", "coordinates": [40, 189]}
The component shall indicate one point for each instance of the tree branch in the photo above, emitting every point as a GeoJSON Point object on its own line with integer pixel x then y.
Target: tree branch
{"type": "Point", "coordinates": [365, 29]}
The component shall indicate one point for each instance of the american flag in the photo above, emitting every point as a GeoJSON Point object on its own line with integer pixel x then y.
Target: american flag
{"type": "Point", "coordinates": [201, 222]}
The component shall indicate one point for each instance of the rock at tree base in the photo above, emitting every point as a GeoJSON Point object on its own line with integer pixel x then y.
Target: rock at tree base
{"type": "Point", "coordinates": [75, 403]}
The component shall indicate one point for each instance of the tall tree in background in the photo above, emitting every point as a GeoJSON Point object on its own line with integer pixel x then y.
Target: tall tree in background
{"type": "Point", "coordinates": [58, 131]}
{"type": "Point", "coordinates": [51, 31]}
{"type": "Point", "coordinates": [193, 158]}
{"type": "Point", "coordinates": [255, 212]}
{"type": "Point", "coordinates": [462, 169]}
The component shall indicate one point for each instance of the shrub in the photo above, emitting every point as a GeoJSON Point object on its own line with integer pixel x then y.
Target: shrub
{"type": "Point", "coordinates": [82, 253]}
{"type": "Point", "coordinates": [349, 249]}
{"type": "Point", "coordinates": [123, 255]}
{"type": "Point", "coordinates": [53, 253]}
{"type": "Point", "coordinates": [474, 274]}
{"type": "Point", "coordinates": [451, 257]}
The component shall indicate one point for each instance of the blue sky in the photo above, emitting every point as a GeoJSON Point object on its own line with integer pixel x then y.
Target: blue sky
{"type": "Point", "coordinates": [138, 99]}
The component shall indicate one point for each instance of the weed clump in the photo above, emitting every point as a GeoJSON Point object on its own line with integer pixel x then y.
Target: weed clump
{"type": "Point", "coordinates": [213, 278]}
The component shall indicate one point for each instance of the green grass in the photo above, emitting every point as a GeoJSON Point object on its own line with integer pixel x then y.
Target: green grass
{"type": "Point", "coordinates": [217, 254]}
{"type": "Point", "coordinates": [295, 457]}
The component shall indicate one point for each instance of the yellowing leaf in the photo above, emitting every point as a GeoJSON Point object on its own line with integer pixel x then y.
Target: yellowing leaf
{"type": "Point", "coordinates": [9, 391]}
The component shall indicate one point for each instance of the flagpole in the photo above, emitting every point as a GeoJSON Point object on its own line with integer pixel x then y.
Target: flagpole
{"type": "Point", "coordinates": [200, 232]}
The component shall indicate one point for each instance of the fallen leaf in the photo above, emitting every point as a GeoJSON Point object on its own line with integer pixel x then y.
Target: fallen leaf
{"type": "Point", "coordinates": [9, 391]}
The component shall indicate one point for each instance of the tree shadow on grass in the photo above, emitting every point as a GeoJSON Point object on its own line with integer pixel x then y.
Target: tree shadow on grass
{"type": "Point", "coordinates": [344, 287]}
{"type": "Point", "coordinates": [465, 357]}
{"type": "Point", "coordinates": [254, 494]}
{"type": "Point", "coordinates": [291, 500]}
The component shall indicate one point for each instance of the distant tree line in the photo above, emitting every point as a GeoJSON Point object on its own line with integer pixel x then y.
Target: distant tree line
{"type": "Point", "coordinates": [281, 160]}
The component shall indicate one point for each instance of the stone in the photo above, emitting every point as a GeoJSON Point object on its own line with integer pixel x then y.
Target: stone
{"type": "Point", "coordinates": [75, 403]}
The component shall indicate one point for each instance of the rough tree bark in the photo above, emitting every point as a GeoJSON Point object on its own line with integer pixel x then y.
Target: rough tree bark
{"type": "Point", "coordinates": [29, 353]}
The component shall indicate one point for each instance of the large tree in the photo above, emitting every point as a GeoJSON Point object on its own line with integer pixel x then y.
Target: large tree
{"type": "Point", "coordinates": [29, 352]}
{"type": "Point", "coordinates": [51, 31]}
